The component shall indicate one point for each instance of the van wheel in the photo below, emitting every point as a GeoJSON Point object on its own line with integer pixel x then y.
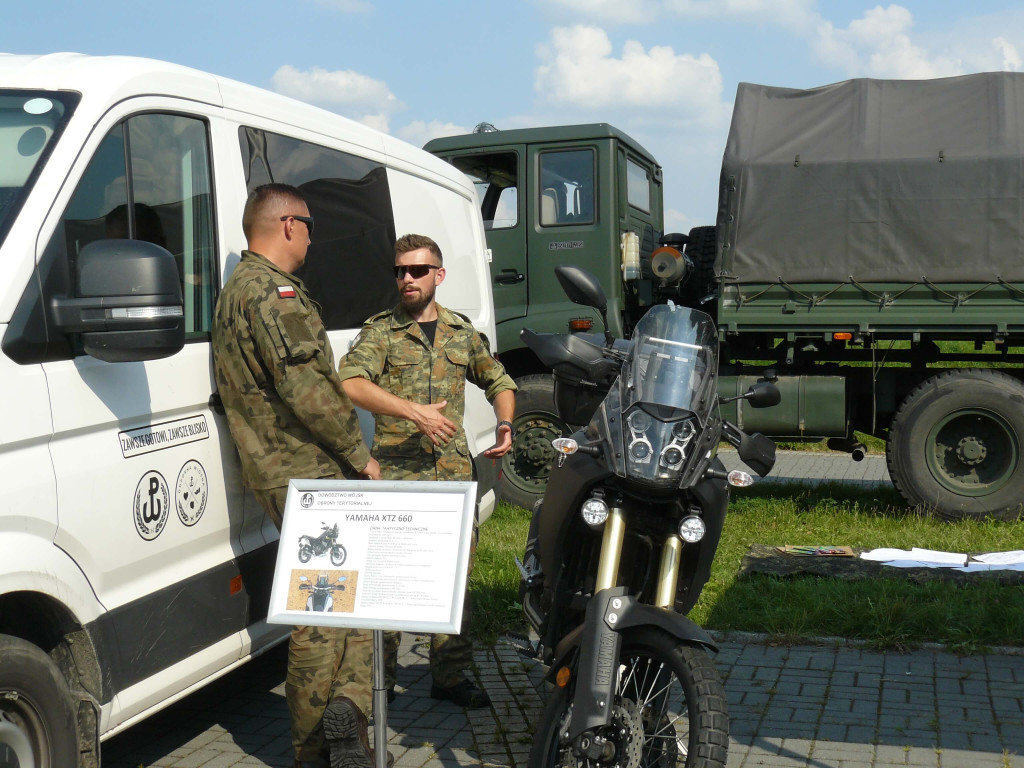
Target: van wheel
{"type": "Point", "coordinates": [955, 445]}
{"type": "Point", "coordinates": [525, 468]}
{"type": "Point", "coordinates": [37, 716]}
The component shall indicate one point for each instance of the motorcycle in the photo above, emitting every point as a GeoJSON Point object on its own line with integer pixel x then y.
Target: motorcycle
{"type": "Point", "coordinates": [322, 597]}
{"type": "Point", "coordinates": [326, 542]}
{"type": "Point", "coordinates": [621, 544]}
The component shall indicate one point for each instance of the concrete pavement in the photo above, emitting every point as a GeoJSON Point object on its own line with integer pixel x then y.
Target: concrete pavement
{"type": "Point", "coordinates": [808, 706]}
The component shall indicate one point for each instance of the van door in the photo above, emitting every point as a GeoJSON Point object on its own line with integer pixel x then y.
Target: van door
{"type": "Point", "coordinates": [148, 483]}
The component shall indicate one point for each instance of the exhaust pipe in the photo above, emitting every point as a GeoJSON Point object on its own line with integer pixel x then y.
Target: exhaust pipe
{"type": "Point", "coordinates": [855, 448]}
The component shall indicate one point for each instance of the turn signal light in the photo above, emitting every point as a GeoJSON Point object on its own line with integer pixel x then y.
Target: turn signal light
{"type": "Point", "coordinates": [842, 336]}
{"type": "Point", "coordinates": [562, 678]}
{"type": "Point", "coordinates": [580, 324]}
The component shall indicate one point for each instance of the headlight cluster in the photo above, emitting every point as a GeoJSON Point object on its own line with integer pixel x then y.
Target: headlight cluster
{"type": "Point", "coordinates": [671, 440]}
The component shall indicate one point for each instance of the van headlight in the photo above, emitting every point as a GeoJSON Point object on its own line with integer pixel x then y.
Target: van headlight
{"type": "Point", "coordinates": [594, 512]}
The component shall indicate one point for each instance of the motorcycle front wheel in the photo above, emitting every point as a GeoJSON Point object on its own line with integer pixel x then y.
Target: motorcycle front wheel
{"type": "Point", "coordinates": [669, 711]}
{"type": "Point", "coordinates": [338, 554]}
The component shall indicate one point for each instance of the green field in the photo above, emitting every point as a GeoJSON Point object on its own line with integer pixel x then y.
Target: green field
{"type": "Point", "coordinates": [883, 612]}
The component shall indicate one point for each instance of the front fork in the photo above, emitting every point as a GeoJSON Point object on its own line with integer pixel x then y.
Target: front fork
{"type": "Point", "coordinates": [598, 667]}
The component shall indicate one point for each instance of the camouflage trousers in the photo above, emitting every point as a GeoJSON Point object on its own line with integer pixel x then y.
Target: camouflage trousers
{"type": "Point", "coordinates": [323, 663]}
{"type": "Point", "coordinates": [450, 655]}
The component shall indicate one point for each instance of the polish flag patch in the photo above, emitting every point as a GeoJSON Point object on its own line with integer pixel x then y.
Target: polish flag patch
{"type": "Point", "coordinates": [286, 292]}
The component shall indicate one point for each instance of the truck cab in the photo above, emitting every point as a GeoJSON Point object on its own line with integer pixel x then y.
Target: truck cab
{"type": "Point", "coordinates": [587, 195]}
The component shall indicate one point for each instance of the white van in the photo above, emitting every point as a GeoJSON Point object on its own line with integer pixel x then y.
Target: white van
{"type": "Point", "coordinates": [133, 568]}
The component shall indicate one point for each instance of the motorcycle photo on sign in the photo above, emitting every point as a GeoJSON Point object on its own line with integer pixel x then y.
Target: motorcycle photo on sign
{"type": "Point", "coordinates": [620, 546]}
{"type": "Point", "coordinates": [320, 545]}
{"type": "Point", "coordinates": [322, 591]}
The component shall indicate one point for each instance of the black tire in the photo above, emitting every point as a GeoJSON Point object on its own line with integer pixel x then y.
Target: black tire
{"type": "Point", "coordinates": [525, 468]}
{"type": "Point", "coordinates": [38, 728]}
{"type": "Point", "coordinates": [305, 552]}
{"type": "Point", "coordinates": [955, 445]}
{"type": "Point", "coordinates": [338, 555]}
{"type": "Point", "coordinates": [702, 249]}
{"type": "Point", "coordinates": [688, 691]}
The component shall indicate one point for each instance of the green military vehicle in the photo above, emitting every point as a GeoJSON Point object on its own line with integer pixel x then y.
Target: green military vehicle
{"type": "Point", "coordinates": [868, 255]}
{"type": "Point", "coordinates": [587, 195]}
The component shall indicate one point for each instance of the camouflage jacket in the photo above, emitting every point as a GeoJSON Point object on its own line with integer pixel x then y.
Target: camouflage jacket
{"type": "Point", "coordinates": [274, 368]}
{"type": "Point", "coordinates": [393, 353]}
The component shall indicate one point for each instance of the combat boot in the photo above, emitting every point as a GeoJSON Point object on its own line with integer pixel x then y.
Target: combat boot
{"type": "Point", "coordinates": [347, 734]}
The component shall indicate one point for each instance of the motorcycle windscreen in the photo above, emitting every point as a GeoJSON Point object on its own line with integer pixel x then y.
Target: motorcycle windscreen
{"type": "Point", "coordinates": [651, 420]}
{"type": "Point", "coordinates": [673, 361]}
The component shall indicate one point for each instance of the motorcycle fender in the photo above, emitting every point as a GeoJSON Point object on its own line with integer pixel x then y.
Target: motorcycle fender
{"type": "Point", "coordinates": [636, 614]}
{"type": "Point", "coordinates": [598, 665]}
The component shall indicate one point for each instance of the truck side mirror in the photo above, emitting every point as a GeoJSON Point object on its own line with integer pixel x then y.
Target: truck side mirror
{"type": "Point", "coordinates": [127, 304]}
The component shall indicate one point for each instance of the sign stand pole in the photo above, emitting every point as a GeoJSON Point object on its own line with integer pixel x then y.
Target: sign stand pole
{"type": "Point", "coordinates": [380, 702]}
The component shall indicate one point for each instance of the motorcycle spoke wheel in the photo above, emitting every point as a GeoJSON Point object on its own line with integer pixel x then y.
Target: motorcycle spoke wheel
{"type": "Point", "coordinates": [670, 711]}
{"type": "Point", "coordinates": [338, 555]}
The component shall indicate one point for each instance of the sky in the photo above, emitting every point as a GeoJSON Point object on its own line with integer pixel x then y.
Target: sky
{"type": "Point", "coordinates": [664, 71]}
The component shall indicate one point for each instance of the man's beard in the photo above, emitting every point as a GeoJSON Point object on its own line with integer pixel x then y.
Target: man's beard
{"type": "Point", "coordinates": [416, 302]}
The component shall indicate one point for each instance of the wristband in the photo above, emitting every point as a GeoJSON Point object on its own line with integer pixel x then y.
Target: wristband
{"type": "Point", "coordinates": [508, 424]}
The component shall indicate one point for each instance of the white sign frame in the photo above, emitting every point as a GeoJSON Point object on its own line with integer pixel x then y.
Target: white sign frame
{"type": "Point", "coordinates": [424, 527]}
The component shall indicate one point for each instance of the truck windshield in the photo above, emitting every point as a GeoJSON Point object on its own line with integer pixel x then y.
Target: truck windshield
{"type": "Point", "coordinates": [30, 122]}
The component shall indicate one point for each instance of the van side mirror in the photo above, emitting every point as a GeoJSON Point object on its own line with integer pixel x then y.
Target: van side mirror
{"type": "Point", "coordinates": [583, 288]}
{"type": "Point", "coordinates": [128, 303]}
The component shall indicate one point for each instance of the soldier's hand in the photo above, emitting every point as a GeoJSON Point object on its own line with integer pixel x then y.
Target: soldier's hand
{"type": "Point", "coordinates": [430, 422]}
{"type": "Point", "coordinates": [502, 446]}
{"type": "Point", "coordinates": [372, 470]}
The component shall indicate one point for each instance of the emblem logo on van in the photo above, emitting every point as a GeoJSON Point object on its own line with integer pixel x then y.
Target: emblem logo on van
{"type": "Point", "coordinates": [190, 492]}
{"type": "Point", "coordinates": [152, 505]}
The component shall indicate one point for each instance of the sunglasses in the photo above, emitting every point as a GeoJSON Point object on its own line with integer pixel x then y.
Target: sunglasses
{"type": "Point", "coordinates": [416, 270]}
{"type": "Point", "coordinates": [307, 220]}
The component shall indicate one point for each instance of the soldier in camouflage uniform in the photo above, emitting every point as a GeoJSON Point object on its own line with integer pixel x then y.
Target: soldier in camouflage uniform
{"type": "Point", "coordinates": [409, 367]}
{"type": "Point", "coordinates": [290, 418]}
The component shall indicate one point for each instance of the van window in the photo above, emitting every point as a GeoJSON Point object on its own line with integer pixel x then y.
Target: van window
{"type": "Point", "coordinates": [30, 123]}
{"type": "Point", "coordinates": [638, 186]}
{"type": "Point", "coordinates": [148, 180]}
{"type": "Point", "coordinates": [348, 265]}
{"type": "Point", "coordinates": [566, 187]}
{"type": "Point", "coordinates": [496, 178]}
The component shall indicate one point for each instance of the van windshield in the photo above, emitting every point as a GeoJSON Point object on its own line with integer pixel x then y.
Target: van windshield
{"type": "Point", "coordinates": [30, 121]}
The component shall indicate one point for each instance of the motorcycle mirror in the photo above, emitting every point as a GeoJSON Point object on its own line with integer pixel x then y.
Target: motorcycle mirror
{"type": "Point", "coordinates": [303, 578]}
{"type": "Point", "coordinates": [763, 394]}
{"type": "Point", "coordinates": [583, 288]}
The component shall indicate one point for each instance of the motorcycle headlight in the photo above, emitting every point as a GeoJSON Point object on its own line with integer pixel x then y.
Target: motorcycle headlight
{"type": "Point", "coordinates": [692, 529]}
{"type": "Point", "coordinates": [594, 512]}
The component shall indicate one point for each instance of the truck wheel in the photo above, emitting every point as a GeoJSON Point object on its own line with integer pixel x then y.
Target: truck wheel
{"type": "Point", "coordinates": [701, 249]}
{"type": "Point", "coordinates": [525, 468]}
{"type": "Point", "coordinates": [37, 715]}
{"type": "Point", "coordinates": [955, 445]}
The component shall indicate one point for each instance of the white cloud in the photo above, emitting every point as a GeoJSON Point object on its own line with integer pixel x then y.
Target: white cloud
{"type": "Point", "coordinates": [346, 6]}
{"type": "Point", "coordinates": [578, 69]}
{"type": "Point", "coordinates": [1009, 54]}
{"type": "Point", "coordinates": [347, 92]}
{"type": "Point", "coordinates": [793, 14]}
{"type": "Point", "coordinates": [419, 132]}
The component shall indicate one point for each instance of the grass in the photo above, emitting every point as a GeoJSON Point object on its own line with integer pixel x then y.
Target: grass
{"type": "Point", "coordinates": [884, 613]}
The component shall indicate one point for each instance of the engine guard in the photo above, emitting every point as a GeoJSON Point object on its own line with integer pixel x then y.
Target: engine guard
{"type": "Point", "coordinates": [598, 642]}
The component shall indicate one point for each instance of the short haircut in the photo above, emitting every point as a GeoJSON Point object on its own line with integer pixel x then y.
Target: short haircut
{"type": "Point", "coordinates": [264, 197]}
{"type": "Point", "coordinates": [408, 243]}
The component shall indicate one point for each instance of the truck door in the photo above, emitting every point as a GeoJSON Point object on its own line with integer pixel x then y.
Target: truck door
{"type": "Point", "coordinates": [148, 483]}
{"type": "Point", "coordinates": [564, 228]}
{"type": "Point", "coordinates": [498, 174]}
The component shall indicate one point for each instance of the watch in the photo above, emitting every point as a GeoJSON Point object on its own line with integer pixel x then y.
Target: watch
{"type": "Point", "coordinates": [505, 422]}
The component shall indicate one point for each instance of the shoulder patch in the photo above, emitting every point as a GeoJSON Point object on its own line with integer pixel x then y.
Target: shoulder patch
{"type": "Point", "coordinates": [286, 292]}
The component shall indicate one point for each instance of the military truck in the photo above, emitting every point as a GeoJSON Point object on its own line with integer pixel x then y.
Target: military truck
{"type": "Point", "coordinates": [868, 256]}
{"type": "Point", "coordinates": [588, 195]}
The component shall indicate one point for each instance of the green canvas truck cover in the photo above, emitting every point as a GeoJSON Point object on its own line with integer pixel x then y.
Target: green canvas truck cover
{"type": "Point", "coordinates": [876, 180]}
